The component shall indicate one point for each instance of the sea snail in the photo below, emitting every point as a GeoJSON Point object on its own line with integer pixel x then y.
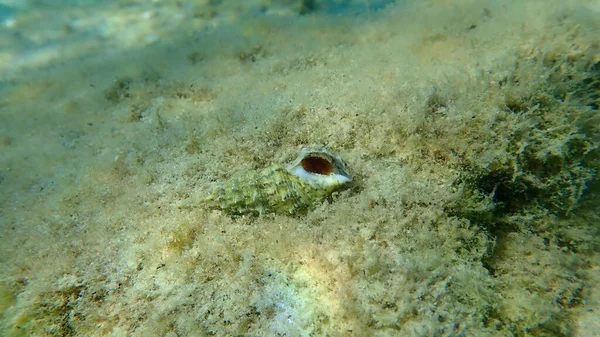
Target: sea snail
{"type": "Point", "coordinates": [291, 189]}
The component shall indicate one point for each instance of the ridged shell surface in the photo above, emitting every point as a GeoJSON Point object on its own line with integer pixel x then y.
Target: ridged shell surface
{"type": "Point", "coordinates": [291, 189]}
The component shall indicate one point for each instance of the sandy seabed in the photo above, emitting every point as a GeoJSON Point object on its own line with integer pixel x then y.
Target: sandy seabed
{"type": "Point", "coordinates": [471, 129]}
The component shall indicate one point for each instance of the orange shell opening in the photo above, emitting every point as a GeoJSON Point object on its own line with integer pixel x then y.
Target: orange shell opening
{"type": "Point", "coordinates": [317, 165]}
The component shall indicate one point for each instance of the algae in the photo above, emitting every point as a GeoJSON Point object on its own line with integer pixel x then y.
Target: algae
{"type": "Point", "coordinates": [471, 130]}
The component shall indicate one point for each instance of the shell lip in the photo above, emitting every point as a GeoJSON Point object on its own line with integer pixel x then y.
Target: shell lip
{"type": "Point", "coordinates": [319, 163]}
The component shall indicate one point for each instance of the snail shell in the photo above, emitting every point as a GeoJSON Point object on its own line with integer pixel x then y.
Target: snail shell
{"type": "Point", "coordinates": [314, 175]}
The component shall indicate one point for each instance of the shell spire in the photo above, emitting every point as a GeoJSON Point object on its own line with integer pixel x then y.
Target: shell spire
{"type": "Point", "coordinates": [298, 187]}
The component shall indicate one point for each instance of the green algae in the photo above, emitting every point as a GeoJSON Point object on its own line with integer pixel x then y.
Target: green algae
{"type": "Point", "coordinates": [473, 139]}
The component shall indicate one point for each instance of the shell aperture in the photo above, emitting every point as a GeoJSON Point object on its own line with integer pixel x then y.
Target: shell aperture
{"type": "Point", "coordinates": [313, 176]}
{"type": "Point", "coordinates": [321, 167]}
